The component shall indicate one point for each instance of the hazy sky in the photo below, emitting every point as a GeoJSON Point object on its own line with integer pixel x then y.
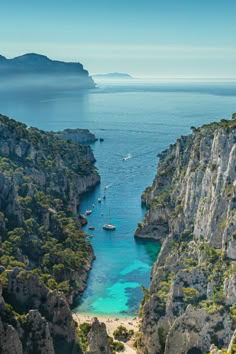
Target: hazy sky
{"type": "Point", "coordinates": [142, 37]}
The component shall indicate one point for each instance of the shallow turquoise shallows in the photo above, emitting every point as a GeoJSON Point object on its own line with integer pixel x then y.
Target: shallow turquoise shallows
{"type": "Point", "coordinates": [137, 120]}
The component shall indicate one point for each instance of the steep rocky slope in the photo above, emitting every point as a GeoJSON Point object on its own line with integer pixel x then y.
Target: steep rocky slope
{"type": "Point", "coordinates": [44, 255]}
{"type": "Point", "coordinates": [191, 303]}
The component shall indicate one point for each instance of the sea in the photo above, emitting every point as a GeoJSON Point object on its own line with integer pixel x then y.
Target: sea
{"type": "Point", "coordinates": [137, 119]}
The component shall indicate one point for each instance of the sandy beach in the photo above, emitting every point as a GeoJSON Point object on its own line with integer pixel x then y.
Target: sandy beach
{"type": "Point", "coordinates": [111, 324]}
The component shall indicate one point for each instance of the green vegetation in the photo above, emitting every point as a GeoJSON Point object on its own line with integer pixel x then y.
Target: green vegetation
{"type": "Point", "coordinates": [146, 296]}
{"type": "Point", "coordinates": [162, 199]}
{"type": "Point", "coordinates": [190, 263]}
{"type": "Point", "coordinates": [191, 295]}
{"type": "Point", "coordinates": [123, 334]}
{"type": "Point", "coordinates": [164, 289]}
{"type": "Point", "coordinates": [116, 346]}
{"type": "Point", "coordinates": [233, 315]}
{"type": "Point", "coordinates": [7, 166]}
{"type": "Point", "coordinates": [223, 223]}
{"type": "Point", "coordinates": [138, 338]}
{"type": "Point", "coordinates": [177, 211]}
{"type": "Point", "coordinates": [162, 337]}
{"type": "Point", "coordinates": [38, 222]}
{"type": "Point", "coordinates": [224, 123]}
{"type": "Point", "coordinates": [211, 307]}
{"type": "Point", "coordinates": [83, 332]}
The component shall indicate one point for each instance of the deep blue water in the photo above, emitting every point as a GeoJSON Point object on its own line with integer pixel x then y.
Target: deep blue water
{"type": "Point", "coordinates": [140, 119]}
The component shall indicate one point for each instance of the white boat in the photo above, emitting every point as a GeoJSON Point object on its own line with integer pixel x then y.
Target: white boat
{"type": "Point", "coordinates": [127, 157]}
{"type": "Point", "coordinates": [109, 227]}
{"type": "Point", "coordinates": [99, 200]}
{"type": "Point", "coordinates": [88, 212]}
{"type": "Point", "coordinates": [91, 228]}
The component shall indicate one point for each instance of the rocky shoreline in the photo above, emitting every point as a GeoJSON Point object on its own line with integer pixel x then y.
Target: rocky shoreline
{"type": "Point", "coordinates": [190, 306]}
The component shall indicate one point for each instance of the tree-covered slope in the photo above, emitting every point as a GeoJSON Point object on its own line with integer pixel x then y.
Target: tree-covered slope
{"type": "Point", "coordinates": [43, 249]}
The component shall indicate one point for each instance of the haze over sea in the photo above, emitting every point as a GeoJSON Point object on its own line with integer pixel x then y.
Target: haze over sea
{"type": "Point", "coordinates": [137, 118]}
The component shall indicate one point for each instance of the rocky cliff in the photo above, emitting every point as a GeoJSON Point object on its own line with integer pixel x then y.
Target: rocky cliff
{"type": "Point", "coordinates": [190, 306]}
{"type": "Point", "coordinates": [44, 255]}
{"type": "Point", "coordinates": [79, 136]}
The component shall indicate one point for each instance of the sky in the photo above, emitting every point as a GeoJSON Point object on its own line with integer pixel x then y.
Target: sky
{"type": "Point", "coordinates": [160, 38]}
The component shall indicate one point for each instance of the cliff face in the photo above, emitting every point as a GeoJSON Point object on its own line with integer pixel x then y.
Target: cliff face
{"type": "Point", "coordinates": [192, 212]}
{"type": "Point", "coordinates": [38, 321]}
{"type": "Point", "coordinates": [44, 255]}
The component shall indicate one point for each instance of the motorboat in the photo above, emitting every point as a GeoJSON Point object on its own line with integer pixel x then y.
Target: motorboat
{"type": "Point", "coordinates": [99, 200]}
{"type": "Point", "coordinates": [127, 157]}
{"type": "Point", "coordinates": [88, 212]}
{"type": "Point", "coordinates": [91, 228]}
{"type": "Point", "coordinates": [109, 227]}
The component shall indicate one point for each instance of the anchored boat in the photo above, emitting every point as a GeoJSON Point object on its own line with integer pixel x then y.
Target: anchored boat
{"type": "Point", "coordinates": [109, 227]}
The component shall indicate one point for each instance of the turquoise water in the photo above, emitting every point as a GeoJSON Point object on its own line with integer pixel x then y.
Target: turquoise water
{"type": "Point", "coordinates": [139, 119]}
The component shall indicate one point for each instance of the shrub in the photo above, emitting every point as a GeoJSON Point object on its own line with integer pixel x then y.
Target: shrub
{"type": "Point", "coordinates": [191, 295]}
{"type": "Point", "coordinates": [118, 346]}
{"type": "Point", "coordinates": [123, 334]}
{"type": "Point", "coordinates": [83, 332]}
{"type": "Point", "coordinates": [211, 307]}
{"type": "Point", "coordinates": [115, 346]}
{"type": "Point", "coordinates": [233, 312]}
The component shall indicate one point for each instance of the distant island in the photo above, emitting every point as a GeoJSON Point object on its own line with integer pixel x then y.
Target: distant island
{"type": "Point", "coordinates": [113, 76]}
{"type": "Point", "coordinates": [36, 69]}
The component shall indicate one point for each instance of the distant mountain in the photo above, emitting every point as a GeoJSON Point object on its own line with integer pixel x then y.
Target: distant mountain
{"type": "Point", "coordinates": [38, 66]}
{"type": "Point", "coordinates": [113, 76]}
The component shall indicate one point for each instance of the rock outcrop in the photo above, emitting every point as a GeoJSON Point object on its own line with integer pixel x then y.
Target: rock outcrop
{"type": "Point", "coordinates": [9, 338]}
{"type": "Point", "coordinates": [192, 211]}
{"type": "Point", "coordinates": [79, 136]}
{"type": "Point", "coordinates": [44, 255]}
{"type": "Point", "coordinates": [98, 339]}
